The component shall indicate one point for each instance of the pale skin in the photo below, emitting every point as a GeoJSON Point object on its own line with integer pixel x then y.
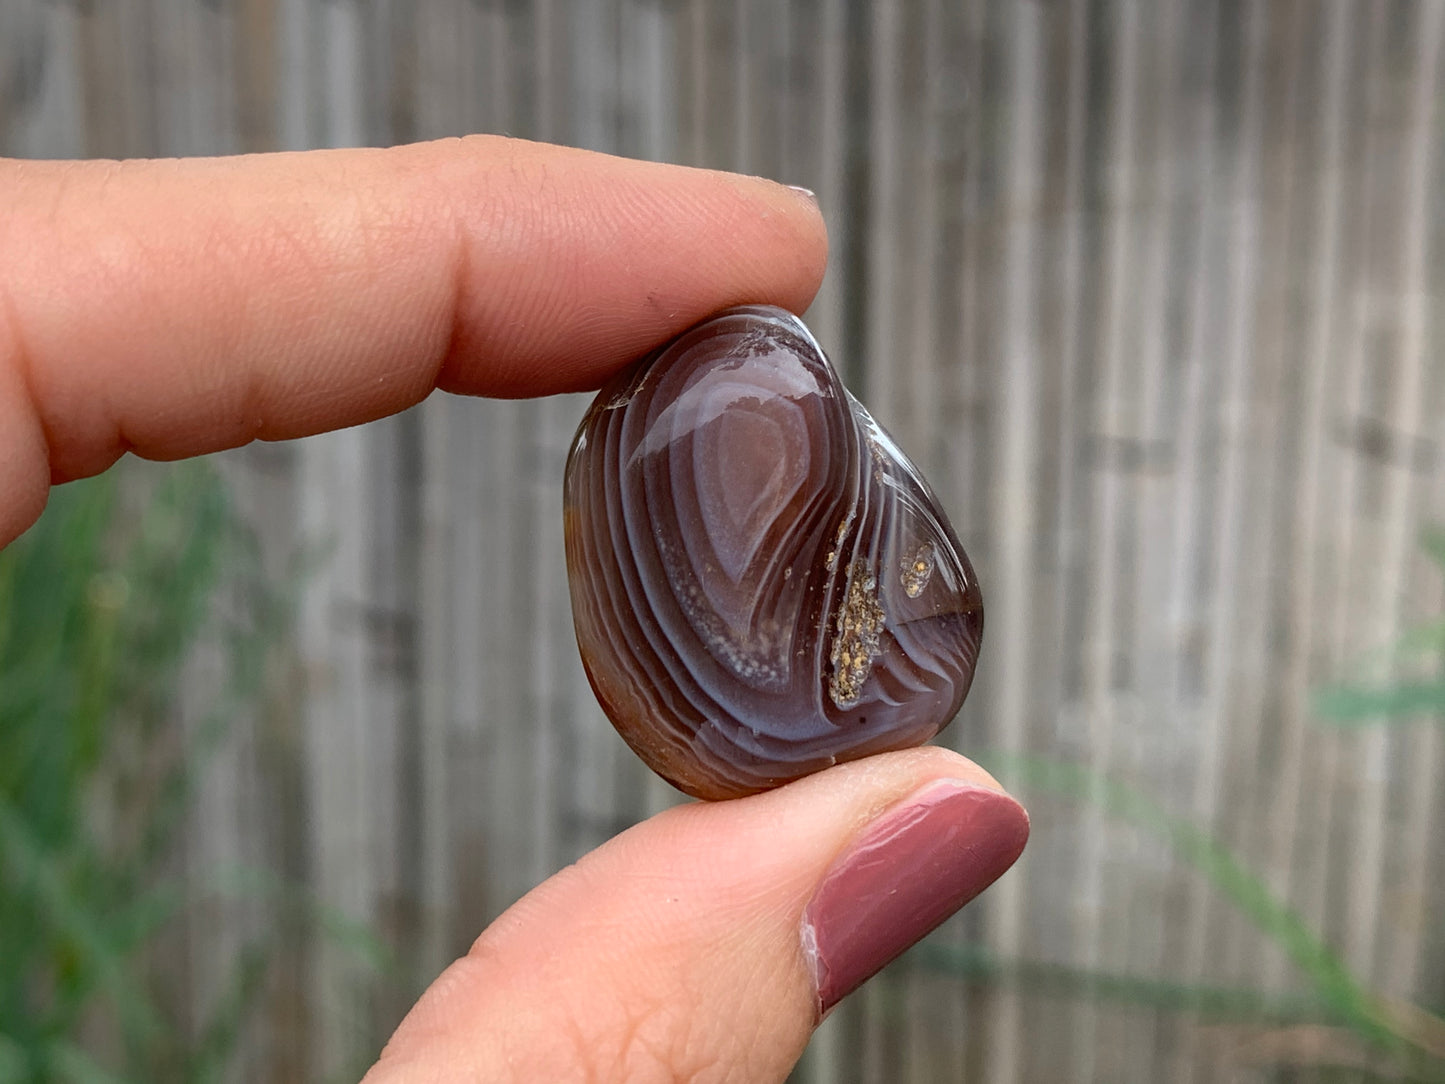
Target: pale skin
{"type": "Point", "coordinates": [175, 308]}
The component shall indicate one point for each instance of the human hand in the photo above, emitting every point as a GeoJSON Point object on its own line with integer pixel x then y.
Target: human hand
{"type": "Point", "coordinates": [177, 308]}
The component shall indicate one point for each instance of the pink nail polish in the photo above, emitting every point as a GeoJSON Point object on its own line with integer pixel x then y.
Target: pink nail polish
{"type": "Point", "coordinates": [908, 871]}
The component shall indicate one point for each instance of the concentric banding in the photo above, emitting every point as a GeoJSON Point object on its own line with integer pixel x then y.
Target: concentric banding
{"type": "Point", "coordinates": [762, 584]}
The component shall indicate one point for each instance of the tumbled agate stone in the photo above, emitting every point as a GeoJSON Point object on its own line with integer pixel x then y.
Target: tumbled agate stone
{"type": "Point", "coordinates": [762, 583]}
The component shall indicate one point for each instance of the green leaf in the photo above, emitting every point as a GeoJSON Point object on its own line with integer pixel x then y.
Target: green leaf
{"type": "Point", "coordinates": [1391, 704]}
{"type": "Point", "coordinates": [101, 604]}
{"type": "Point", "coordinates": [976, 963]}
{"type": "Point", "coordinates": [14, 1059]}
{"type": "Point", "coordinates": [222, 1031]}
{"type": "Point", "coordinates": [68, 1062]}
{"type": "Point", "coordinates": [79, 924]}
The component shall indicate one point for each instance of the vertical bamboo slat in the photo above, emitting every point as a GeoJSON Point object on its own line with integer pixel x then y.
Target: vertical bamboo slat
{"type": "Point", "coordinates": [1320, 197]}
{"type": "Point", "coordinates": [1399, 965]}
{"type": "Point", "coordinates": [1014, 490]}
{"type": "Point", "coordinates": [1354, 799]}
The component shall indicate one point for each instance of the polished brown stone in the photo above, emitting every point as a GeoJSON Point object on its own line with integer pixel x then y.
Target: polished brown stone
{"type": "Point", "coordinates": [762, 583]}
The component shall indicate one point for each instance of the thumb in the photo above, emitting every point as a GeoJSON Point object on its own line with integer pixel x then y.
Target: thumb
{"type": "Point", "coordinates": [706, 943]}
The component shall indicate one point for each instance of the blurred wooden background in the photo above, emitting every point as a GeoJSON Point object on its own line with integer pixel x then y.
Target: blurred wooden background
{"type": "Point", "coordinates": [1149, 291]}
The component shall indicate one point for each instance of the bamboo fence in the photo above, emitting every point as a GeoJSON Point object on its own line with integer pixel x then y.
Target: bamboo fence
{"type": "Point", "coordinates": [1149, 291]}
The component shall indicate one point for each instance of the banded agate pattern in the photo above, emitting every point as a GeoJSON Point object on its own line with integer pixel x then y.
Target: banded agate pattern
{"type": "Point", "coordinates": [762, 583]}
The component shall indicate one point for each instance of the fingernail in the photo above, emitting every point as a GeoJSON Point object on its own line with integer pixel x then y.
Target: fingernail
{"type": "Point", "coordinates": [806, 193]}
{"type": "Point", "coordinates": [913, 867]}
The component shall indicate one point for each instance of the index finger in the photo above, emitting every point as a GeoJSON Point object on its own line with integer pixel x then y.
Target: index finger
{"type": "Point", "coordinates": [173, 308]}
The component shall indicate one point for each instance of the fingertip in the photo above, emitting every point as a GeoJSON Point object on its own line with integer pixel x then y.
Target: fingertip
{"type": "Point", "coordinates": [715, 920]}
{"type": "Point", "coordinates": [636, 252]}
{"type": "Point", "coordinates": [803, 237]}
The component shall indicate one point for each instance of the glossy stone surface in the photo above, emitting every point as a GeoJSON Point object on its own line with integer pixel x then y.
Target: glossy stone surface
{"type": "Point", "coordinates": [762, 583]}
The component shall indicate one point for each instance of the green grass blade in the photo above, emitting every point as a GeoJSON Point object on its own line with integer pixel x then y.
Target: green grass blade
{"type": "Point", "coordinates": [1344, 996]}
{"type": "Point", "coordinates": [974, 963]}
{"type": "Point", "coordinates": [1402, 703]}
